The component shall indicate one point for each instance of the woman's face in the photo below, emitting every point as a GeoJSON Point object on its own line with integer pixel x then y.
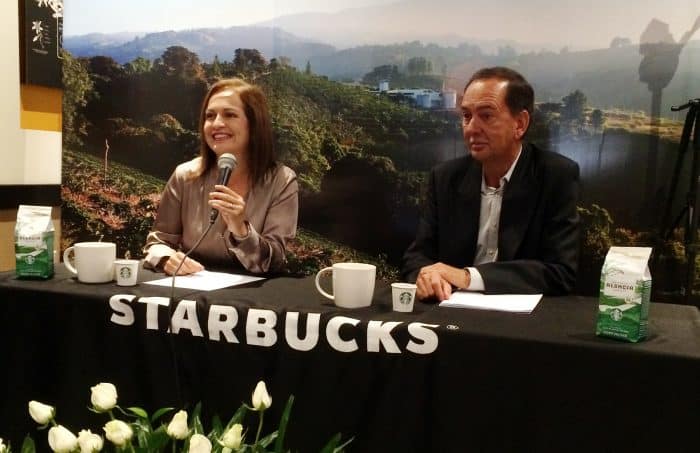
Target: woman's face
{"type": "Point", "coordinates": [226, 125]}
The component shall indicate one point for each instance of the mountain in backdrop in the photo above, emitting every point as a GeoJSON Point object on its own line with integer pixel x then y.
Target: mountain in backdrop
{"type": "Point", "coordinates": [533, 25]}
{"type": "Point", "coordinates": [205, 42]}
{"type": "Point", "coordinates": [559, 46]}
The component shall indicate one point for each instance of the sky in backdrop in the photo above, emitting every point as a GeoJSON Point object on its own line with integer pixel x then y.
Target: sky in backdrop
{"type": "Point", "coordinates": [345, 23]}
{"type": "Point", "coordinates": [110, 16]}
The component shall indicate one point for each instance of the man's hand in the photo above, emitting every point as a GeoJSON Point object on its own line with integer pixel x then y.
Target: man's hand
{"type": "Point", "coordinates": [190, 266]}
{"type": "Point", "coordinates": [438, 279]}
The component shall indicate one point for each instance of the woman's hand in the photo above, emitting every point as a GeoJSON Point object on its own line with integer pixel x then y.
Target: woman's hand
{"type": "Point", "coordinates": [190, 266]}
{"type": "Point", "coordinates": [231, 207]}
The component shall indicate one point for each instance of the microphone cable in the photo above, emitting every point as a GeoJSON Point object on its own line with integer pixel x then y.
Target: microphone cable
{"type": "Point", "coordinates": [171, 309]}
{"type": "Point", "coordinates": [226, 163]}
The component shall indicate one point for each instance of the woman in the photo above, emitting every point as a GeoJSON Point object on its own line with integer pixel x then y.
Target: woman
{"type": "Point", "coordinates": [257, 208]}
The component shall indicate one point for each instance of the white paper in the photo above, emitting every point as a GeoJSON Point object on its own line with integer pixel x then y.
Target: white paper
{"type": "Point", "coordinates": [514, 303]}
{"type": "Point", "coordinates": [205, 280]}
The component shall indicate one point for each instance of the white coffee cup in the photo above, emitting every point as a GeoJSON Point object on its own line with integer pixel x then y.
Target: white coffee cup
{"type": "Point", "coordinates": [402, 296]}
{"type": "Point", "coordinates": [353, 284]}
{"type": "Point", "coordinates": [126, 272]}
{"type": "Point", "coordinates": [94, 261]}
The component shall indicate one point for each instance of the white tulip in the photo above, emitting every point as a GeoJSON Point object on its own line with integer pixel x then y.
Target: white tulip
{"type": "Point", "coordinates": [177, 428]}
{"type": "Point", "coordinates": [3, 447]}
{"type": "Point", "coordinates": [199, 444]}
{"type": "Point", "coordinates": [61, 440]}
{"type": "Point", "coordinates": [118, 432]}
{"type": "Point", "coordinates": [233, 437]}
{"type": "Point", "coordinates": [41, 413]}
{"type": "Point", "coordinates": [89, 442]}
{"type": "Point", "coordinates": [261, 399]}
{"type": "Point", "coordinates": [103, 397]}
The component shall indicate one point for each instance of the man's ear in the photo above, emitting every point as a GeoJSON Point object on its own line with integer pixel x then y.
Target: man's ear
{"type": "Point", "coordinates": [522, 121]}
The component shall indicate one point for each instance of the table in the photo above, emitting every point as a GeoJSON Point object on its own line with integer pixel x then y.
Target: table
{"type": "Point", "coordinates": [436, 380]}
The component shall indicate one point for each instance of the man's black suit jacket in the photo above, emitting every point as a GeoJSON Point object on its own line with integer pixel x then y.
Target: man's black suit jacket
{"type": "Point", "coordinates": [538, 229]}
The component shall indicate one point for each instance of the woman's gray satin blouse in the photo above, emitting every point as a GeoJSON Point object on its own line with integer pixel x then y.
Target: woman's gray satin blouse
{"type": "Point", "coordinates": [183, 215]}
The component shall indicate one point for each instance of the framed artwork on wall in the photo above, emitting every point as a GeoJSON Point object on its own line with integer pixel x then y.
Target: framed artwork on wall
{"type": "Point", "coordinates": [41, 41]}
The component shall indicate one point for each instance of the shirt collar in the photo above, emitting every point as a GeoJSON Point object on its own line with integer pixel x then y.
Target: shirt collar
{"type": "Point", "coordinates": [504, 179]}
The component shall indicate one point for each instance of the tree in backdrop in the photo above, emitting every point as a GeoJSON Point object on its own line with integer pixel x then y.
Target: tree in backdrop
{"type": "Point", "coordinates": [111, 85]}
{"type": "Point", "coordinates": [384, 72]}
{"type": "Point", "coordinates": [138, 65]}
{"type": "Point", "coordinates": [597, 119]}
{"type": "Point", "coordinates": [249, 61]}
{"type": "Point", "coordinates": [77, 90]}
{"type": "Point", "coordinates": [419, 66]}
{"type": "Point", "coordinates": [179, 86]}
{"type": "Point", "coordinates": [573, 111]}
{"type": "Point", "coordinates": [216, 68]}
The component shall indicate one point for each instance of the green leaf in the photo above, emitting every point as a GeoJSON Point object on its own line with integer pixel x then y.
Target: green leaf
{"type": "Point", "coordinates": [160, 412]}
{"type": "Point", "coordinates": [332, 444]}
{"type": "Point", "coordinates": [341, 448]}
{"type": "Point", "coordinates": [142, 425]}
{"type": "Point", "coordinates": [267, 440]}
{"type": "Point", "coordinates": [217, 427]}
{"type": "Point", "coordinates": [158, 440]}
{"type": "Point", "coordinates": [28, 445]}
{"type": "Point", "coordinates": [238, 416]}
{"type": "Point", "coordinates": [142, 438]}
{"type": "Point", "coordinates": [197, 424]}
{"type": "Point", "coordinates": [197, 410]}
{"type": "Point", "coordinates": [282, 429]}
{"type": "Point", "coordinates": [333, 447]}
{"type": "Point", "coordinates": [138, 412]}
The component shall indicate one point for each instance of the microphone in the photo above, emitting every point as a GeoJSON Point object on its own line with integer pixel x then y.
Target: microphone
{"type": "Point", "coordinates": [226, 163]}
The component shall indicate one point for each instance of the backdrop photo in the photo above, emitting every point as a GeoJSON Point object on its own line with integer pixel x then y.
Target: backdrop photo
{"type": "Point", "coordinates": [364, 99]}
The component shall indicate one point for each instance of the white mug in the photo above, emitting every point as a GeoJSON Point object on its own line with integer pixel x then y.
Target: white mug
{"type": "Point", "coordinates": [94, 261]}
{"type": "Point", "coordinates": [353, 284]}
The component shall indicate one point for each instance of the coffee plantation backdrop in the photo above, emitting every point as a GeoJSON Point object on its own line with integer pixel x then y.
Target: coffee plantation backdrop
{"type": "Point", "coordinates": [363, 99]}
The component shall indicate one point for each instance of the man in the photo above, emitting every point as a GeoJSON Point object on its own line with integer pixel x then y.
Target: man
{"type": "Point", "coordinates": [503, 218]}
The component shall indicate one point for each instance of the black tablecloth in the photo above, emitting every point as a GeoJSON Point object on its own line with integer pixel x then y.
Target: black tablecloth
{"type": "Point", "coordinates": [492, 382]}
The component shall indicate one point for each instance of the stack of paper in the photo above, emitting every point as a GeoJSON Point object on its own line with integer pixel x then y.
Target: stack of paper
{"type": "Point", "coordinates": [514, 303]}
{"type": "Point", "coordinates": [205, 280]}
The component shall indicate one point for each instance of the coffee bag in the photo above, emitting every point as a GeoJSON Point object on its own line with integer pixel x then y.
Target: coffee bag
{"type": "Point", "coordinates": [34, 235]}
{"type": "Point", "coordinates": [625, 288]}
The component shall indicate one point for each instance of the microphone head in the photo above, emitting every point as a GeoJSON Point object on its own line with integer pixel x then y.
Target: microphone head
{"type": "Point", "coordinates": [227, 160]}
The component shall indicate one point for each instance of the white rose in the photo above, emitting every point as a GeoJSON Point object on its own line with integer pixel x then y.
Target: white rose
{"type": "Point", "coordinates": [41, 413]}
{"type": "Point", "coordinates": [3, 447]}
{"type": "Point", "coordinates": [89, 442]}
{"type": "Point", "coordinates": [177, 428]}
{"type": "Point", "coordinates": [199, 444]}
{"type": "Point", "coordinates": [233, 437]}
{"type": "Point", "coordinates": [61, 440]}
{"type": "Point", "coordinates": [261, 399]}
{"type": "Point", "coordinates": [103, 397]}
{"type": "Point", "coordinates": [118, 432]}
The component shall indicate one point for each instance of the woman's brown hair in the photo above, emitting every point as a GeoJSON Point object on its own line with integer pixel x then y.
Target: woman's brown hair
{"type": "Point", "coordinates": [261, 147]}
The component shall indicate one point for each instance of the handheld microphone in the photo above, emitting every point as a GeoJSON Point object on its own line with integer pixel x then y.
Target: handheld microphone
{"type": "Point", "coordinates": [226, 163]}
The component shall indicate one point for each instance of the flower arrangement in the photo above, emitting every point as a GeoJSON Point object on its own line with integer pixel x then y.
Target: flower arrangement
{"type": "Point", "coordinates": [136, 431]}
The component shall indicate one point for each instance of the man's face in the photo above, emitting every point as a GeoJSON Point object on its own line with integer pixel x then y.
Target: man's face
{"type": "Point", "coordinates": [491, 132]}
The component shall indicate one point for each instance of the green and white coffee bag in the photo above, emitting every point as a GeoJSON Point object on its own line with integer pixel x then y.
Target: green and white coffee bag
{"type": "Point", "coordinates": [625, 289]}
{"type": "Point", "coordinates": [34, 234]}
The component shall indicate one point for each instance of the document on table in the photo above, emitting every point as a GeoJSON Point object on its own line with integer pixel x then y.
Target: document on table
{"type": "Point", "coordinates": [205, 280]}
{"type": "Point", "coordinates": [514, 303]}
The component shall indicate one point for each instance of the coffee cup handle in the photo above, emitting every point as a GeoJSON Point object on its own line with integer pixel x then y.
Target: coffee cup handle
{"type": "Point", "coordinates": [67, 262]}
{"type": "Point", "coordinates": [318, 285]}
